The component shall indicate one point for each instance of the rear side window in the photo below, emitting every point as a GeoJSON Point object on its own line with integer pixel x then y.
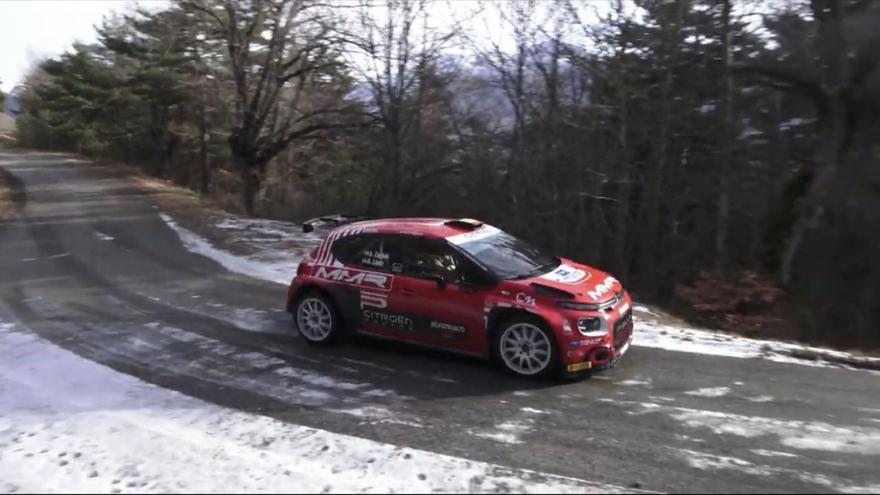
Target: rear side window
{"type": "Point", "coordinates": [347, 248]}
{"type": "Point", "coordinates": [370, 252]}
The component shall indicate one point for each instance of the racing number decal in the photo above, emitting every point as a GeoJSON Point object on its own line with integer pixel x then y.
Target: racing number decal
{"type": "Point", "coordinates": [374, 299]}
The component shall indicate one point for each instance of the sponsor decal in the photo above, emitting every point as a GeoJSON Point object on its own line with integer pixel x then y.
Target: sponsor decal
{"type": "Point", "coordinates": [374, 300]}
{"type": "Point", "coordinates": [417, 324]}
{"type": "Point", "coordinates": [601, 289]}
{"type": "Point", "coordinates": [623, 308]}
{"type": "Point", "coordinates": [474, 235]}
{"type": "Point", "coordinates": [375, 258]}
{"type": "Point", "coordinates": [359, 278]}
{"type": "Point", "coordinates": [566, 274]}
{"type": "Point", "coordinates": [450, 327]}
{"type": "Point", "coordinates": [390, 320]}
{"type": "Point", "coordinates": [526, 299]}
{"type": "Point", "coordinates": [571, 368]}
{"type": "Point", "coordinates": [584, 342]}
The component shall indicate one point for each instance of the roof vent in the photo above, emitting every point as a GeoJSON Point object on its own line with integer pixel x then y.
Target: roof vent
{"type": "Point", "coordinates": [464, 223]}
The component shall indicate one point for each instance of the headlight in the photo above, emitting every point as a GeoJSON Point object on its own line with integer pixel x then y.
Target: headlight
{"type": "Point", "coordinates": [593, 326]}
{"type": "Point", "coordinates": [579, 306]}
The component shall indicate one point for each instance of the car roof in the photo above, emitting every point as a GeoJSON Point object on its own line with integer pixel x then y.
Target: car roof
{"type": "Point", "coordinates": [428, 227]}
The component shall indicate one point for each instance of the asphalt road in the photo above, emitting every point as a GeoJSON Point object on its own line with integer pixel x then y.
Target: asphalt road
{"type": "Point", "coordinates": [88, 265]}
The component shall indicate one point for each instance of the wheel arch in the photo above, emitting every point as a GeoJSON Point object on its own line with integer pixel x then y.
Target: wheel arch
{"type": "Point", "coordinates": [499, 314]}
{"type": "Point", "coordinates": [306, 288]}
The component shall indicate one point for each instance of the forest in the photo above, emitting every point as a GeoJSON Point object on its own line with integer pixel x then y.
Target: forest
{"type": "Point", "coordinates": [718, 156]}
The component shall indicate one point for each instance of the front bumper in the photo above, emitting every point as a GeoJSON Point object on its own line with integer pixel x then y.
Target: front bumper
{"type": "Point", "coordinates": [599, 357]}
{"type": "Point", "coordinates": [591, 353]}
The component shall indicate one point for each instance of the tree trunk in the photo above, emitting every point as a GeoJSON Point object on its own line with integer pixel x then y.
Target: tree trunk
{"type": "Point", "coordinates": [205, 170]}
{"type": "Point", "coordinates": [812, 207]}
{"type": "Point", "coordinates": [250, 188]}
{"type": "Point", "coordinates": [249, 170]}
{"type": "Point", "coordinates": [834, 126]}
{"type": "Point", "coordinates": [723, 220]}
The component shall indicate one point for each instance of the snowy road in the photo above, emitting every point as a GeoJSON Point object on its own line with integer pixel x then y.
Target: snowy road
{"type": "Point", "coordinates": [158, 365]}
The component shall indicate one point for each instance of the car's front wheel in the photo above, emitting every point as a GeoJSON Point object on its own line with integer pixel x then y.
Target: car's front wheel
{"type": "Point", "coordinates": [526, 348]}
{"type": "Point", "coordinates": [316, 319]}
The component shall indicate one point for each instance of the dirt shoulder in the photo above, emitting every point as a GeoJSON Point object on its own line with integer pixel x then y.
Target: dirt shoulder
{"type": "Point", "coordinates": [11, 195]}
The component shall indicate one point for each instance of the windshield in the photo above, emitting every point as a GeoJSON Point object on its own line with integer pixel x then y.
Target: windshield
{"type": "Point", "coordinates": [508, 256]}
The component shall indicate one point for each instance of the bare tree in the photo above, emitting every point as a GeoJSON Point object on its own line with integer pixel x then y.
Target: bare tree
{"type": "Point", "coordinates": [511, 72]}
{"type": "Point", "coordinates": [279, 54]}
{"type": "Point", "coordinates": [833, 73]}
{"type": "Point", "coordinates": [395, 49]}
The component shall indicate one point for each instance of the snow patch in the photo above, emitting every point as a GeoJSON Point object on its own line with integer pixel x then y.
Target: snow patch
{"type": "Point", "coordinates": [381, 415]}
{"type": "Point", "coordinates": [279, 267]}
{"type": "Point", "coordinates": [706, 461]}
{"type": "Point", "coordinates": [772, 453]}
{"type": "Point", "coordinates": [710, 392]}
{"type": "Point", "coordinates": [508, 438]}
{"type": "Point", "coordinates": [800, 435]}
{"type": "Point", "coordinates": [635, 383]}
{"type": "Point", "coordinates": [68, 424]}
{"type": "Point", "coordinates": [533, 411]}
{"type": "Point", "coordinates": [795, 122]}
{"type": "Point", "coordinates": [760, 398]}
{"type": "Point", "coordinates": [508, 432]}
{"type": "Point", "coordinates": [653, 334]}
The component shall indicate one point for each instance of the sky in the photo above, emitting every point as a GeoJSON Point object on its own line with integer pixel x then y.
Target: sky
{"type": "Point", "coordinates": [34, 29]}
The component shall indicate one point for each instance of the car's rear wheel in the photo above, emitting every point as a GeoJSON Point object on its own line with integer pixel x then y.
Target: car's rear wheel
{"type": "Point", "coordinates": [316, 318]}
{"type": "Point", "coordinates": [525, 347]}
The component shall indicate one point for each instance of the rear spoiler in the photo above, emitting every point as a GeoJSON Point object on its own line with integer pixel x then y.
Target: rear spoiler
{"type": "Point", "coordinates": [334, 220]}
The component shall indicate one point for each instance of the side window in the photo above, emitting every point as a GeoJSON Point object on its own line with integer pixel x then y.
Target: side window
{"type": "Point", "coordinates": [347, 249]}
{"type": "Point", "coordinates": [426, 258]}
{"type": "Point", "coordinates": [370, 252]}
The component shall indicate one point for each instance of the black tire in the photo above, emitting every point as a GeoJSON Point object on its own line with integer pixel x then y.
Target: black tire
{"type": "Point", "coordinates": [552, 366]}
{"type": "Point", "coordinates": [310, 303]}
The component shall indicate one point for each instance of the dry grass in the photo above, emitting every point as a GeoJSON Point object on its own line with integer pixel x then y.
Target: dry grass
{"type": "Point", "coordinates": [7, 197]}
{"type": "Point", "coordinates": [7, 123]}
{"type": "Point", "coordinates": [5, 202]}
{"type": "Point", "coordinates": [7, 130]}
{"type": "Point", "coordinates": [191, 210]}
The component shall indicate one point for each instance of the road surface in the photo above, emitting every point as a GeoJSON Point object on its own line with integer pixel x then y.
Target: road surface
{"type": "Point", "coordinates": [88, 265]}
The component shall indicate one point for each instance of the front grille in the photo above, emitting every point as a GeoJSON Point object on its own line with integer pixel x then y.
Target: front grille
{"type": "Point", "coordinates": [622, 329]}
{"type": "Point", "coordinates": [607, 305]}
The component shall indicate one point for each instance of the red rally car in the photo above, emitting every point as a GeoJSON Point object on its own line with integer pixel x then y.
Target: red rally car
{"type": "Point", "coordinates": [463, 286]}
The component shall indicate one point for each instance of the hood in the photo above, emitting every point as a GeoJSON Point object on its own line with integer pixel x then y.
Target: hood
{"type": "Point", "coordinates": [584, 282]}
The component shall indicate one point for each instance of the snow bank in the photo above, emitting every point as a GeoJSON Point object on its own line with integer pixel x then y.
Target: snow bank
{"type": "Point", "coordinates": [651, 333]}
{"type": "Point", "coordinates": [71, 425]}
{"type": "Point", "coordinates": [277, 266]}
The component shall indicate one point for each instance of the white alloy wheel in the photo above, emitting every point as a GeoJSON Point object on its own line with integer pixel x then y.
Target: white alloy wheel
{"type": "Point", "coordinates": [525, 349]}
{"type": "Point", "coordinates": [314, 319]}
